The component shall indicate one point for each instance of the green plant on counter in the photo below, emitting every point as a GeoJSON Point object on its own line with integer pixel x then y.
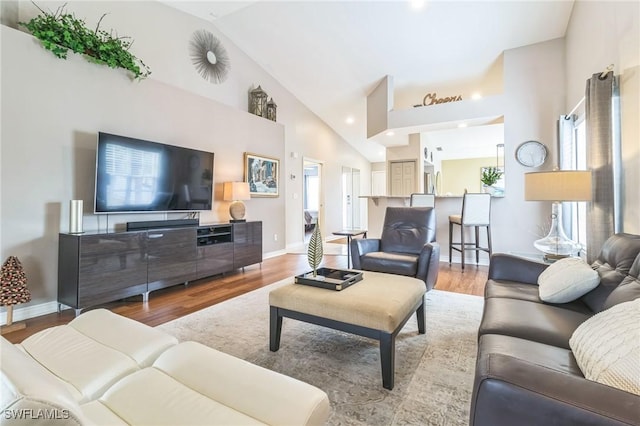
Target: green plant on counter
{"type": "Point", "coordinates": [490, 176]}
{"type": "Point", "coordinates": [60, 32]}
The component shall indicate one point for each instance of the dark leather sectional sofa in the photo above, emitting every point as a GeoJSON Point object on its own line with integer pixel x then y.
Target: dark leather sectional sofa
{"type": "Point", "coordinates": [526, 373]}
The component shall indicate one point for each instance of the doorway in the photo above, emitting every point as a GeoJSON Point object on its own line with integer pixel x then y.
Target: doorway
{"type": "Point", "coordinates": [351, 201]}
{"type": "Point", "coordinates": [311, 196]}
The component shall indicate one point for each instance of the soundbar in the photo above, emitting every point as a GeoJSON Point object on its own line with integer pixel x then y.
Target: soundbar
{"type": "Point", "coordinates": [155, 224]}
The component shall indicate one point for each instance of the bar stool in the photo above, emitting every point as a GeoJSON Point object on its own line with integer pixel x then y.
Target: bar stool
{"type": "Point", "coordinates": [423, 200]}
{"type": "Point", "coordinates": [476, 212]}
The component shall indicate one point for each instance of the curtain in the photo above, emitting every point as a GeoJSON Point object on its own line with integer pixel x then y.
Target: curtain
{"type": "Point", "coordinates": [567, 161]}
{"type": "Point", "coordinates": [602, 150]}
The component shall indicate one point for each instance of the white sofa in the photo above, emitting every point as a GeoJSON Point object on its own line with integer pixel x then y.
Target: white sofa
{"type": "Point", "coordinates": [106, 369]}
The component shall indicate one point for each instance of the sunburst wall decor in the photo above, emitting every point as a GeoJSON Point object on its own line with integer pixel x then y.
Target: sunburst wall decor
{"type": "Point", "coordinates": [209, 56]}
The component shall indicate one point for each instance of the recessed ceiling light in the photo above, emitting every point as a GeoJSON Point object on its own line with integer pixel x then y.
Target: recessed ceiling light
{"type": "Point", "coordinates": [350, 120]}
{"type": "Point", "coordinates": [417, 4]}
{"type": "Point", "coordinates": [390, 133]}
{"type": "Point", "coordinates": [462, 125]}
{"type": "Point", "coordinates": [476, 96]}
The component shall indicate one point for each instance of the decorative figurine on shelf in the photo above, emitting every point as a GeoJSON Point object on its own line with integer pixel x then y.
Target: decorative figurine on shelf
{"type": "Point", "coordinates": [271, 110]}
{"type": "Point", "coordinates": [13, 290]}
{"type": "Point", "coordinates": [314, 252]}
{"type": "Point", "coordinates": [258, 102]}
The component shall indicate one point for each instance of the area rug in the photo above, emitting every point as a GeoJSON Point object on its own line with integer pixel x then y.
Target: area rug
{"type": "Point", "coordinates": [434, 371]}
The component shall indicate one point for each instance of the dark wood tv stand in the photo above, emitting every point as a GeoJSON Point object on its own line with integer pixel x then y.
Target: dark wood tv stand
{"type": "Point", "coordinates": [96, 268]}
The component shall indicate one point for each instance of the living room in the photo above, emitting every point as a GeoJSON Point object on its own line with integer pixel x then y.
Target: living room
{"type": "Point", "coordinates": [55, 160]}
{"type": "Point", "coordinates": [52, 111]}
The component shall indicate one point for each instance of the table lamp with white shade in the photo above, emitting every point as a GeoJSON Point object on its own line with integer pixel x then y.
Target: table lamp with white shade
{"type": "Point", "coordinates": [557, 186]}
{"type": "Point", "coordinates": [236, 192]}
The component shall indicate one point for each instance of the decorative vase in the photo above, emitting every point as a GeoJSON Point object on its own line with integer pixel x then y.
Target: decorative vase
{"type": "Point", "coordinates": [488, 189]}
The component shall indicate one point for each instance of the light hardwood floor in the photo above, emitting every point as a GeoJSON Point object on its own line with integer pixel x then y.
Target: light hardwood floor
{"type": "Point", "coordinates": [174, 302]}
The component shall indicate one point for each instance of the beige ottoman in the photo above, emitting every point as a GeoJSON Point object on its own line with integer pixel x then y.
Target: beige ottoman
{"type": "Point", "coordinates": [376, 307]}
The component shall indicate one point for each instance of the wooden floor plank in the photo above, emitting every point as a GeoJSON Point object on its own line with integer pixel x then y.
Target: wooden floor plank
{"type": "Point", "coordinates": [174, 302]}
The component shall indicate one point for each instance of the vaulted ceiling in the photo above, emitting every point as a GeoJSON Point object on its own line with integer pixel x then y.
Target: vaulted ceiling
{"type": "Point", "coordinates": [331, 54]}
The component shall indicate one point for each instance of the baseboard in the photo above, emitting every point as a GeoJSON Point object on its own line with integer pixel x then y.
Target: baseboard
{"type": "Point", "coordinates": [21, 314]}
{"type": "Point", "coordinates": [273, 254]}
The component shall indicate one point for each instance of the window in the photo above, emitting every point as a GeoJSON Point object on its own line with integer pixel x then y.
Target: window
{"type": "Point", "coordinates": [579, 210]}
{"type": "Point", "coordinates": [573, 156]}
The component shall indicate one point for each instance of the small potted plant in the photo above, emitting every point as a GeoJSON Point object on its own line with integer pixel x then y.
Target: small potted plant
{"type": "Point", "coordinates": [490, 176]}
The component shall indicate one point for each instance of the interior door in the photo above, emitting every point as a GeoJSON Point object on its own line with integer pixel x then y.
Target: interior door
{"type": "Point", "coordinates": [408, 177]}
{"type": "Point", "coordinates": [403, 178]}
{"type": "Point", "coordinates": [396, 178]}
{"type": "Point", "coordinates": [379, 182]}
{"type": "Point", "coordinates": [356, 200]}
{"type": "Point", "coordinates": [312, 207]}
{"type": "Point", "coordinates": [347, 198]}
{"type": "Point", "coordinates": [351, 202]}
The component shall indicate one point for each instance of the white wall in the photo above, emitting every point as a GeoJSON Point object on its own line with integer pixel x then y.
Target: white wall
{"type": "Point", "coordinates": [601, 33]}
{"type": "Point", "coordinates": [534, 93]}
{"type": "Point", "coordinates": [49, 125]}
{"type": "Point", "coordinates": [50, 115]}
{"type": "Point", "coordinates": [52, 110]}
{"type": "Point", "coordinates": [153, 24]}
{"type": "Point", "coordinates": [533, 98]}
{"type": "Point", "coordinates": [465, 173]}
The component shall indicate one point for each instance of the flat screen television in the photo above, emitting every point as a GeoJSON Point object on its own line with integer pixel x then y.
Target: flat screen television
{"type": "Point", "coordinates": [134, 175]}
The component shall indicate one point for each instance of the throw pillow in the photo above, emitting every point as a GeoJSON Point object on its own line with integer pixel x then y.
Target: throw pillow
{"type": "Point", "coordinates": [566, 280]}
{"type": "Point", "coordinates": [607, 347]}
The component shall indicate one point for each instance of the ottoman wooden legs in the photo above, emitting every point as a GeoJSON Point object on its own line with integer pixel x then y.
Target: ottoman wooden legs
{"type": "Point", "coordinates": [387, 340]}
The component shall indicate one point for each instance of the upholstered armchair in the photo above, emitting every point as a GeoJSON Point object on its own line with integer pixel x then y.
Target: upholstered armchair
{"type": "Point", "coordinates": [407, 245]}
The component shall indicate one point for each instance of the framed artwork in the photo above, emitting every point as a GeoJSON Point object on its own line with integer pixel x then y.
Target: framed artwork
{"type": "Point", "coordinates": [262, 174]}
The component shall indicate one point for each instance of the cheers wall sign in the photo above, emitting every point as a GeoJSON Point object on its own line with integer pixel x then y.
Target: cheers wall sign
{"type": "Point", "coordinates": [432, 99]}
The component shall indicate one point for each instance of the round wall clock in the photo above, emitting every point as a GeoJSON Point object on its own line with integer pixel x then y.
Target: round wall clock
{"type": "Point", "coordinates": [531, 153]}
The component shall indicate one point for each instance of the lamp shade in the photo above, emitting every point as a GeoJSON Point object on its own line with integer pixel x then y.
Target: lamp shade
{"type": "Point", "coordinates": [558, 185]}
{"type": "Point", "coordinates": [236, 191]}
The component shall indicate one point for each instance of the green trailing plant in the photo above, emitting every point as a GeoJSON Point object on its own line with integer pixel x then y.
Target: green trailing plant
{"type": "Point", "coordinates": [314, 252]}
{"type": "Point", "coordinates": [490, 176]}
{"type": "Point", "coordinates": [60, 32]}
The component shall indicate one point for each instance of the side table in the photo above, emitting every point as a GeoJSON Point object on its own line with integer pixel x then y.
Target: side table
{"type": "Point", "coordinates": [350, 233]}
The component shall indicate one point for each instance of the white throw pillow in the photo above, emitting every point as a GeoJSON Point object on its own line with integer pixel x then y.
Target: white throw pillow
{"type": "Point", "coordinates": [607, 347]}
{"type": "Point", "coordinates": [566, 280]}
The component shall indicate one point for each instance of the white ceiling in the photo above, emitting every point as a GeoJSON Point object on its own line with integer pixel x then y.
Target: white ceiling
{"type": "Point", "coordinates": [331, 54]}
